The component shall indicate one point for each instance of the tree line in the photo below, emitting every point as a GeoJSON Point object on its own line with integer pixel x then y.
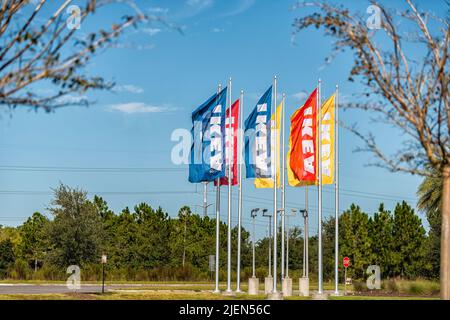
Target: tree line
{"type": "Point", "coordinates": [145, 243]}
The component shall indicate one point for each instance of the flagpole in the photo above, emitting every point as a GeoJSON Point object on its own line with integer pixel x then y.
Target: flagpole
{"type": "Point", "coordinates": [283, 197]}
{"type": "Point", "coordinates": [217, 290]}
{"type": "Point", "coordinates": [336, 193]}
{"type": "Point", "coordinates": [320, 289]}
{"type": "Point", "coordinates": [239, 150]}
{"type": "Point", "coordinates": [205, 199]}
{"type": "Point", "coordinates": [306, 235]}
{"type": "Point", "coordinates": [275, 207]}
{"type": "Point", "coordinates": [229, 190]}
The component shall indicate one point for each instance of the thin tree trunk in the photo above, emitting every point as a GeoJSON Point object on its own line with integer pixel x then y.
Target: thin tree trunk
{"type": "Point", "coordinates": [445, 236]}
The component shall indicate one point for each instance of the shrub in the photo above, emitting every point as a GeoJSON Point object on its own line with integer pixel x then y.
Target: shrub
{"type": "Point", "coordinates": [359, 286]}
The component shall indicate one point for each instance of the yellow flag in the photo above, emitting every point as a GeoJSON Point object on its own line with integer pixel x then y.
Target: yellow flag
{"type": "Point", "coordinates": [328, 152]}
{"type": "Point", "coordinates": [327, 135]}
{"type": "Point", "coordinates": [274, 134]}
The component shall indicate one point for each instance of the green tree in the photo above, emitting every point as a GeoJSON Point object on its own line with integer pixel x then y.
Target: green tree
{"type": "Point", "coordinates": [7, 256]}
{"type": "Point", "coordinates": [430, 201]}
{"type": "Point", "coordinates": [409, 242]}
{"type": "Point", "coordinates": [34, 241]}
{"type": "Point", "coordinates": [382, 240]}
{"type": "Point", "coordinates": [76, 230]}
{"type": "Point", "coordinates": [354, 240]}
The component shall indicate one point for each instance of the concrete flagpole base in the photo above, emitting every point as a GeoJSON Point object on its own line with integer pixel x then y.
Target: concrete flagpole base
{"type": "Point", "coordinates": [275, 296]}
{"type": "Point", "coordinates": [253, 286]}
{"type": "Point", "coordinates": [321, 296]}
{"type": "Point", "coordinates": [303, 284]}
{"type": "Point", "coordinates": [287, 287]}
{"type": "Point", "coordinates": [268, 285]}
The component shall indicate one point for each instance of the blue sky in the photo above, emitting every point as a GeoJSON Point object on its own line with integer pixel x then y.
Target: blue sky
{"type": "Point", "coordinates": [162, 76]}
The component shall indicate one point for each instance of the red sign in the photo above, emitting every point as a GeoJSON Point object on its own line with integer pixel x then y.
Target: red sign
{"type": "Point", "coordinates": [346, 262]}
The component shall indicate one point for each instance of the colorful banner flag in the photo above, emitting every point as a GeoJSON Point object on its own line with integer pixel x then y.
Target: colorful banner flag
{"type": "Point", "coordinates": [257, 138]}
{"type": "Point", "coordinates": [208, 145]}
{"type": "Point", "coordinates": [327, 137]}
{"type": "Point", "coordinates": [274, 134]}
{"type": "Point", "coordinates": [301, 157]}
{"type": "Point", "coordinates": [234, 128]}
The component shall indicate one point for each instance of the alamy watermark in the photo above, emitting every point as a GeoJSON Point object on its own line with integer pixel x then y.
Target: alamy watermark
{"type": "Point", "coordinates": [73, 282]}
{"type": "Point", "coordinates": [74, 19]}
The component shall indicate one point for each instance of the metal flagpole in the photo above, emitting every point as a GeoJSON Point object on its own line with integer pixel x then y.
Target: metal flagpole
{"type": "Point", "coordinates": [205, 199]}
{"type": "Point", "coordinates": [239, 150]}
{"type": "Point", "coordinates": [336, 192]}
{"type": "Point", "coordinates": [319, 106]}
{"type": "Point", "coordinates": [217, 290]}
{"type": "Point", "coordinates": [253, 242]}
{"type": "Point", "coordinates": [283, 197]}
{"type": "Point", "coordinates": [306, 235]}
{"type": "Point", "coordinates": [230, 160]}
{"type": "Point", "coordinates": [275, 207]}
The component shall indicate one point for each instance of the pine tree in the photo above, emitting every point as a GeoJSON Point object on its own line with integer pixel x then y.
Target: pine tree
{"type": "Point", "coordinates": [381, 234]}
{"type": "Point", "coordinates": [409, 243]}
{"type": "Point", "coordinates": [355, 241]}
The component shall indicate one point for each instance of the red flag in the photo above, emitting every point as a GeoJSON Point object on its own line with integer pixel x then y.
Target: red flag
{"type": "Point", "coordinates": [303, 154]}
{"type": "Point", "coordinates": [234, 127]}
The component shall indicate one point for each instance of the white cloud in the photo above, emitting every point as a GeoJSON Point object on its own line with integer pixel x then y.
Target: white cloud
{"type": "Point", "coordinates": [243, 6]}
{"type": "Point", "coordinates": [199, 3]}
{"type": "Point", "coordinates": [218, 30]}
{"type": "Point", "coordinates": [128, 88]}
{"type": "Point", "coordinates": [158, 10]}
{"type": "Point", "coordinates": [151, 31]}
{"type": "Point", "coordinates": [138, 107]}
{"type": "Point", "coordinates": [70, 98]}
{"type": "Point", "coordinates": [300, 96]}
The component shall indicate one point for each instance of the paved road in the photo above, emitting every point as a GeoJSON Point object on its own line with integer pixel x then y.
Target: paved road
{"type": "Point", "coordinates": [6, 288]}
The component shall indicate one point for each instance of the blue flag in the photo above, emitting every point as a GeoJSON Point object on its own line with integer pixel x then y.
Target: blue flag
{"type": "Point", "coordinates": [208, 145]}
{"type": "Point", "coordinates": [257, 138]}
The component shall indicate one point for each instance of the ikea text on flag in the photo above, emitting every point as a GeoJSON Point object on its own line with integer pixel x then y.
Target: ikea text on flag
{"type": "Point", "coordinates": [328, 152]}
{"type": "Point", "coordinates": [257, 138]}
{"type": "Point", "coordinates": [234, 127]}
{"type": "Point", "coordinates": [301, 159]}
{"type": "Point", "coordinates": [208, 145]}
{"type": "Point", "coordinates": [275, 141]}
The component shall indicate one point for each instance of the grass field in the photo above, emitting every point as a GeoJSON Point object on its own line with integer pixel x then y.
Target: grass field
{"type": "Point", "coordinates": [391, 290]}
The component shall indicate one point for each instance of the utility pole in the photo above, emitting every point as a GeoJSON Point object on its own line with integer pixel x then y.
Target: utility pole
{"type": "Point", "coordinates": [205, 199]}
{"type": "Point", "coordinates": [184, 238]}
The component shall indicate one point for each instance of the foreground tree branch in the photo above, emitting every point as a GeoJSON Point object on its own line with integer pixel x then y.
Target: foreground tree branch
{"type": "Point", "coordinates": [38, 48]}
{"type": "Point", "coordinates": [411, 95]}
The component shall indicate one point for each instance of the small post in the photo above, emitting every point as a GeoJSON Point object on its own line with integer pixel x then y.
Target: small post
{"type": "Point", "coordinates": [345, 281]}
{"type": "Point", "coordinates": [104, 260]}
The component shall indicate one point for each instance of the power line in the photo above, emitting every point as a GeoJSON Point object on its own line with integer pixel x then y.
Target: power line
{"type": "Point", "coordinates": [92, 169]}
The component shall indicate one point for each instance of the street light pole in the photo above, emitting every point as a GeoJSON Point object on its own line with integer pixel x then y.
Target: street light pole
{"type": "Point", "coordinates": [287, 239]}
{"type": "Point", "coordinates": [268, 215]}
{"type": "Point", "coordinates": [253, 215]}
{"type": "Point", "coordinates": [304, 212]}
